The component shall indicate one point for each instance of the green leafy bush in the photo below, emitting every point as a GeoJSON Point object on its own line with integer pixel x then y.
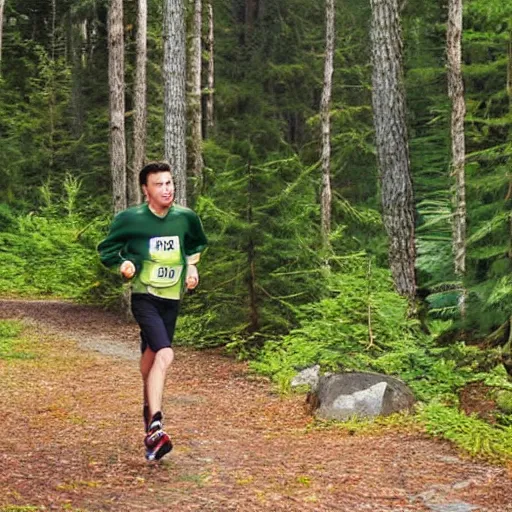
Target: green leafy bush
{"type": "Point", "coordinates": [46, 257]}
{"type": "Point", "coordinates": [364, 325]}
{"type": "Point", "coordinates": [52, 252]}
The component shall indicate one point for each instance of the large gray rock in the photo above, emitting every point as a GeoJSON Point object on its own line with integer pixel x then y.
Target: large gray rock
{"type": "Point", "coordinates": [359, 394]}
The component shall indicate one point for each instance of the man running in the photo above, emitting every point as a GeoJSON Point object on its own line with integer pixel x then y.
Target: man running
{"type": "Point", "coordinates": [157, 245]}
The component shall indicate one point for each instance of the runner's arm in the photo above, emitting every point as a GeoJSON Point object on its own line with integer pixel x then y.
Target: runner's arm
{"type": "Point", "coordinates": [112, 249]}
{"type": "Point", "coordinates": [195, 239]}
{"type": "Point", "coordinates": [195, 243]}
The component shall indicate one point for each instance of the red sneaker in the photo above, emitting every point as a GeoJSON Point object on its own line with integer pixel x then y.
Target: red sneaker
{"type": "Point", "coordinates": [157, 442]}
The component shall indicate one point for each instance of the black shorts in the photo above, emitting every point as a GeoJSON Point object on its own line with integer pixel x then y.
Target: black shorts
{"type": "Point", "coordinates": [157, 320]}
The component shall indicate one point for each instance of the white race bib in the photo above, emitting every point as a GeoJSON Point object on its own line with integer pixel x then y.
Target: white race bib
{"type": "Point", "coordinates": [165, 266]}
{"type": "Point", "coordinates": [165, 248]}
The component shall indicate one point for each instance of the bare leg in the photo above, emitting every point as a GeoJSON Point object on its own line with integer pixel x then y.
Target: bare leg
{"type": "Point", "coordinates": [146, 362]}
{"type": "Point", "coordinates": [153, 367]}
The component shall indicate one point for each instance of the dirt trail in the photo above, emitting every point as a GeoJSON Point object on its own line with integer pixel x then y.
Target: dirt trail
{"type": "Point", "coordinates": [71, 436]}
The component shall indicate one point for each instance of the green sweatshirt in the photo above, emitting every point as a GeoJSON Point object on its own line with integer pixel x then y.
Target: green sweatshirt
{"type": "Point", "coordinates": [159, 247]}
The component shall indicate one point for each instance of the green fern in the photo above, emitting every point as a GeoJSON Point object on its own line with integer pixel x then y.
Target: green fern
{"type": "Point", "coordinates": [469, 433]}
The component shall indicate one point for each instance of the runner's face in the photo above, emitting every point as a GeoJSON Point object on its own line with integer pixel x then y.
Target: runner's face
{"type": "Point", "coordinates": [159, 190]}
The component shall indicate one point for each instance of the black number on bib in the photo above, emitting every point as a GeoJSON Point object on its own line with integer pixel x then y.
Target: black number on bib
{"type": "Point", "coordinates": [165, 273]}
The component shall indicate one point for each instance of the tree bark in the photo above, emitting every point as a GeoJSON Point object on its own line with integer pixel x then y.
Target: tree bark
{"type": "Point", "coordinates": [211, 73]}
{"type": "Point", "coordinates": [174, 70]}
{"type": "Point", "coordinates": [139, 114]}
{"type": "Point", "coordinates": [456, 94]}
{"type": "Point", "coordinates": [117, 104]}
{"type": "Point", "coordinates": [84, 33]}
{"type": "Point", "coordinates": [326, 194]}
{"type": "Point", "coordinates": [196, 157]}
{"type": "Point", "coordinates": [388, 97]}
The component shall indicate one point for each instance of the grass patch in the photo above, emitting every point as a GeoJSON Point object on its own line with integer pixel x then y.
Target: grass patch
{"type": "Point", "coordinates": [504, 401]}
{"type": "Point", "coordinates": [19, 508]}
{"type": "Point", "coordinates": [11, 343]}
{"type": "Point", "coordinates": [471, 434]}
{"type": "Point", "coordinates": [10, 329]}
{"type": "Point", "coordinates": [75, 485]}
{"type": "Point", "coordinates": [380, 425]}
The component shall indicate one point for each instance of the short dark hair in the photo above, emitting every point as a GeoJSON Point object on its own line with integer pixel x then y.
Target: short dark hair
{"type": "Point", "coordinates": [150, 168]}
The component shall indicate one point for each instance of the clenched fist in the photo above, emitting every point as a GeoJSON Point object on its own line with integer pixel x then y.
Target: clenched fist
{"type": "Point", "coordinates": [192, 279]}
{"type": "Point", "coordinates": [127, 269]}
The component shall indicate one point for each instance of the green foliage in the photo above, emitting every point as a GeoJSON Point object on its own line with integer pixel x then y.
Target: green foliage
{"type": "Point", "coordinates": [363, 325]}
{"type": "Point", "coordinates": [10, 331]}
{"type": "Point", "coordinates": [45, 257]}
{"type": "Point", "coordinates": [488, 136]}
{"type": "Point", "coordinates": [50, 118]}
{"type": "Point", "coordinates": [487, 26]}
{"type": "Point", "coordinates": [263, 258]}
{"type": "Point", "coordinates": [51, 253]}
{"type": "Point", "coordinates": [469, 433]}
{"type": "Point", "coordinates": [504, 401]}
{"type": "Point", "coordinates": [335, 333]}
{"type": "Point", "coordinates": [7, 219]}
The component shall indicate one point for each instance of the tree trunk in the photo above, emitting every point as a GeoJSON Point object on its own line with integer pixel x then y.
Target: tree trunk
{"type": "Point", "coordinates": [326, 195]}
{"type": "Point", "coordinates": [196, 157]}
{"type": "Point", "coordinates": [210, 75]}
{"type": "Point", "coordinates": [388, 97]}
{"type": "Point", "coordinates": [84, 34]}
{"type": "Point", "coordinates": [456, 94]}
{"type": "Point", "coordinates": [117, 105]}
{"type": "Point", "coordinates": [174, 70]}
{"type": "Point", "coordinates": [139, 114]}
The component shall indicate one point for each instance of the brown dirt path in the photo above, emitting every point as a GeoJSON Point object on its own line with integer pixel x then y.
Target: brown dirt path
{"type": "Point", "coordinates": [71, 436]}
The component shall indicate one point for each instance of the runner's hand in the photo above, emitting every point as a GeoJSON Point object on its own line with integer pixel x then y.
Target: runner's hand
{"type": "Point", "coordinates": [127, 269]}
{"type": "Point", "coordinates": [192, 279]}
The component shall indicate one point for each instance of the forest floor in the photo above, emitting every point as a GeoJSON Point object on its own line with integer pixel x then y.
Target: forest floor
{"type": "Point", "coordinates": [71, 436]}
